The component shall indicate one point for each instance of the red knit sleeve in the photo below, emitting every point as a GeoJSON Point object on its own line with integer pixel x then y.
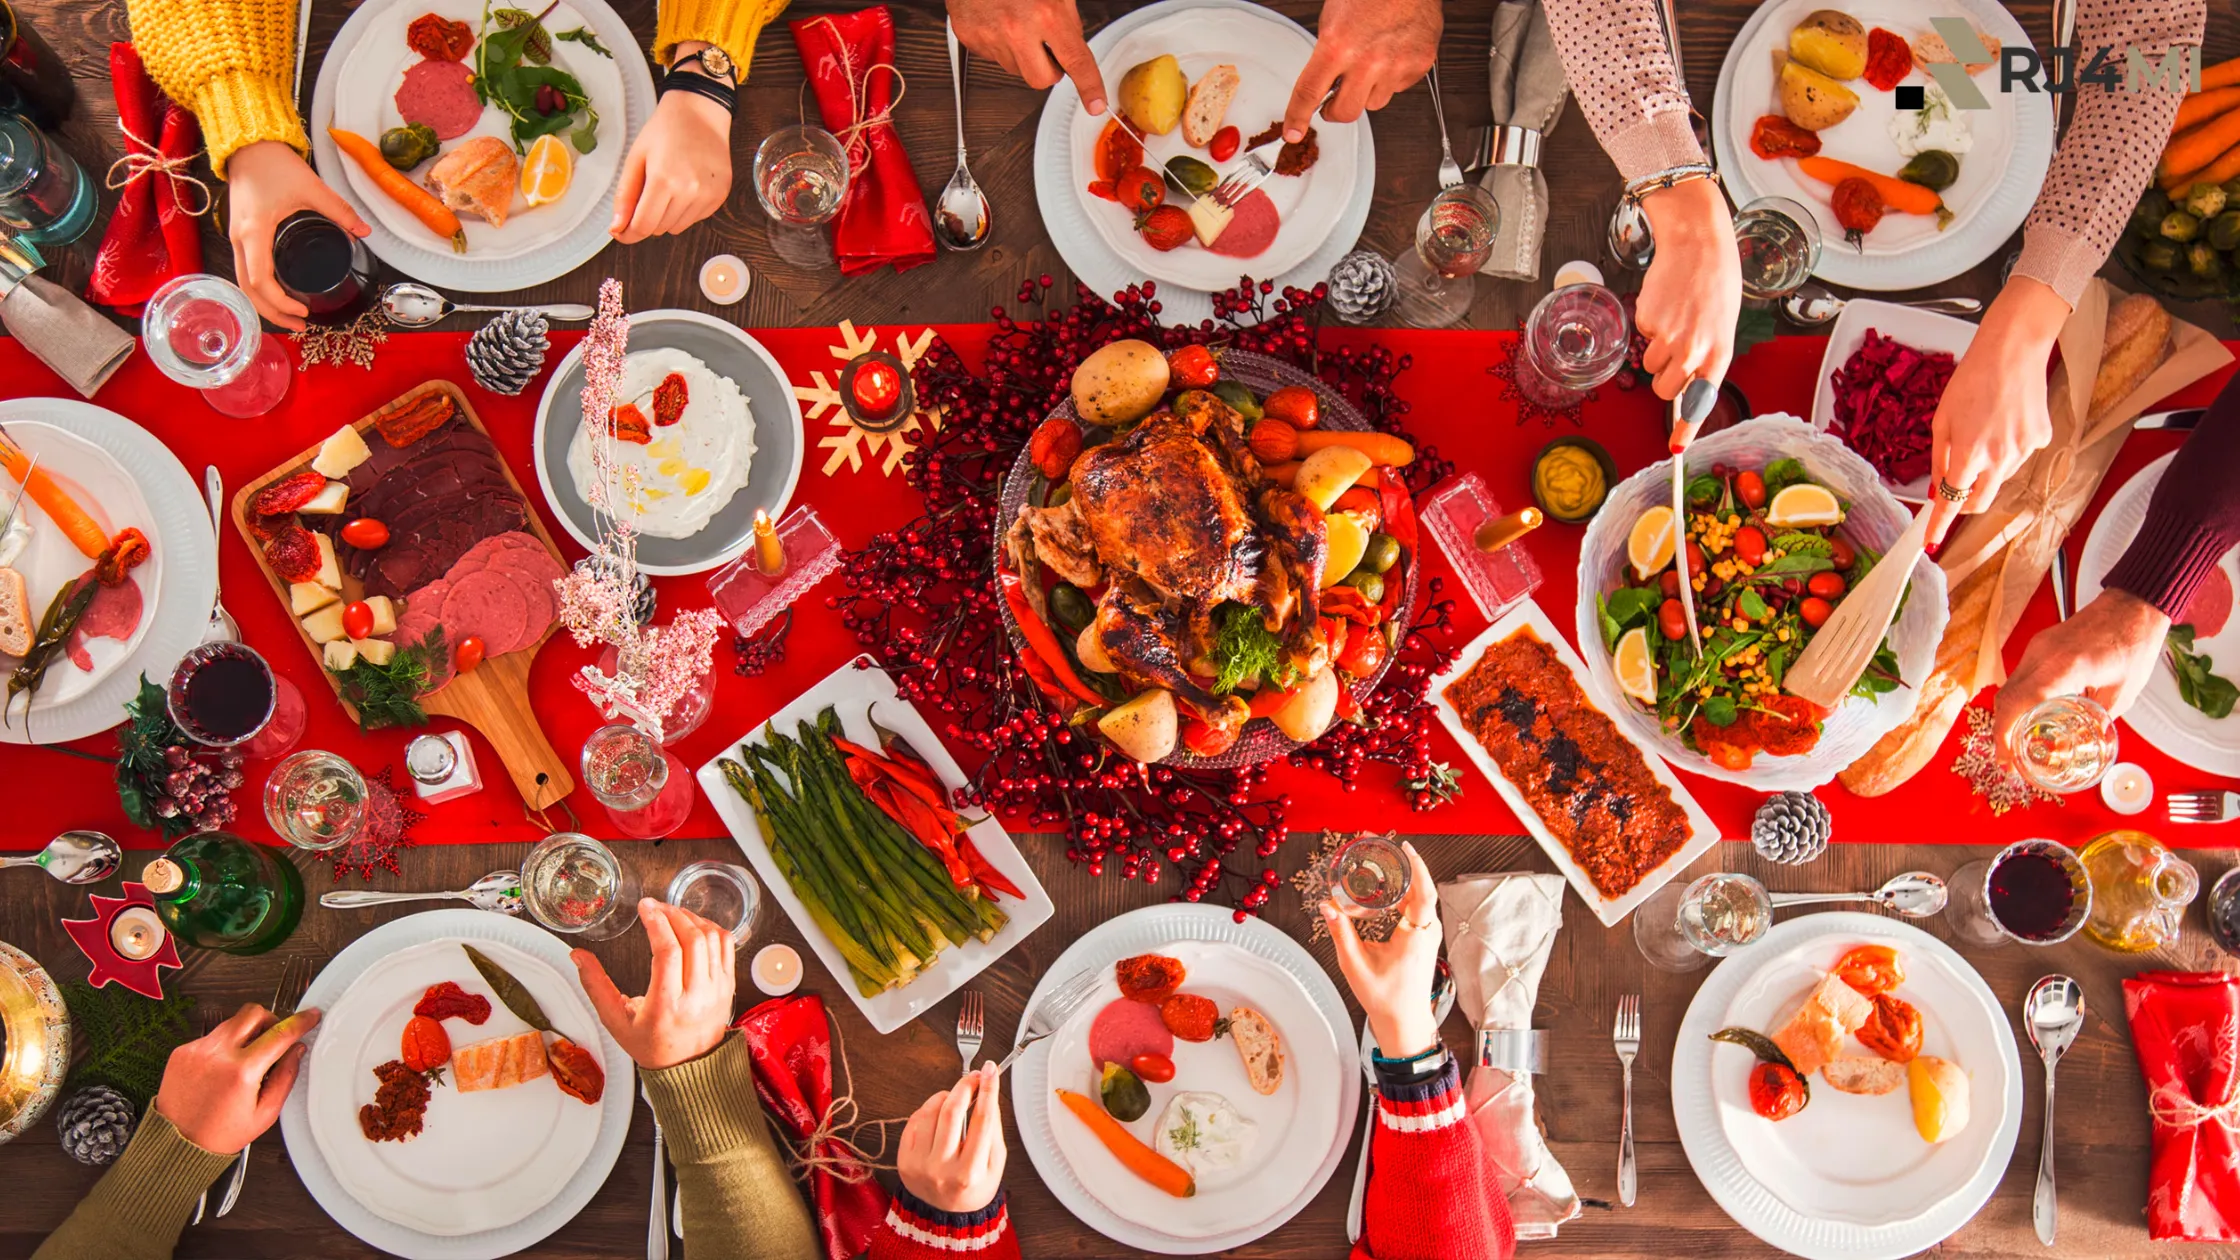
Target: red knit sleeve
{"type": "Point", "coordinates": [1430, 1194]}
{"type": "Point", "coordinates": [916, 1230]}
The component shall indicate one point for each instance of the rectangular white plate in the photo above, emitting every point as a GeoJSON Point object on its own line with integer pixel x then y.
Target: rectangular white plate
{"type": "Point", "coordinates": [863, 696]}
{"type": "Point", "coordinates": [1703, 832]}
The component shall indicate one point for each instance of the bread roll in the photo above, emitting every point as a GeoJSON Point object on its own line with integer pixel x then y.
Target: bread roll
{"type": "Point", "coordinates": [1864, 1074]}
{"type": "Point", "coordinates": [15, 614]}
{"type": "Point", "coordinates": [1209, 104]}
{"type": "Point", "coordinates": [1259, 1047]}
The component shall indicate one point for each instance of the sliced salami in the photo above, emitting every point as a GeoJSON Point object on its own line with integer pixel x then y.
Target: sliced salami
{"type": "Point", "coordinates": [440, 94]}
{"type": "Point", "coordinates": [488, 605]}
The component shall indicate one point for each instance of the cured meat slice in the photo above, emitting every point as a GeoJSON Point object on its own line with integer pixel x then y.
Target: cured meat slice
{"type": "Point", "coordinates": [500, 1063]}
{"type": "Point", "coordinates": [1125, 1029]}
{"type": "Point", "coordinates": [487, 605]}
{"type": "Point", "coordinates": [2211, 604]}
{"type": "Point", "coordinates": [440, 94]}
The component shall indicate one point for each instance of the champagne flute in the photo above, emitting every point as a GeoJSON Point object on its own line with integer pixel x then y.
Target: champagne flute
{"type": "Point", "coordinates": [801, 177]}
{"type": "Point", "coordinates": [1453, 239]}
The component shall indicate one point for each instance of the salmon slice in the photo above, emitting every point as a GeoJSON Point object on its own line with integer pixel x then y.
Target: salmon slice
{"type": "Point", "coordinates": [499, 1063]}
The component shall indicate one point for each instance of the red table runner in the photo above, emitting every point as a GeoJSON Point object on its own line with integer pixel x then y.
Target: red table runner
{"type": "Point", "coordinates": [1456, 407]}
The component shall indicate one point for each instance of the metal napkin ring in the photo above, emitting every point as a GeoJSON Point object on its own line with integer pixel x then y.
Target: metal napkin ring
{"type": "Point", "coordinates": [1513, 1049]}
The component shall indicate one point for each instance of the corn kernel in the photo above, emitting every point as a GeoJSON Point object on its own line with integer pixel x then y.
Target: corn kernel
{"type": "Point", "coordinates": [1782, 634]}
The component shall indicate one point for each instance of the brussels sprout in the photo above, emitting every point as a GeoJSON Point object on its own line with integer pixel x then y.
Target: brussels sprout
{"type": "Point", "coordinates": [1073, 607]}
{"type": "Point", "coordinates": [408, 146]}
{"type": "Point", "coordinates": [1240, 399]}
{"type": "Point", "coordinates": [2202, 261]}
{"type": "Point", "coordinates": [2203, 201]}
{"type": "Point", "coordinates": [2146, 217]}
{"type": "Point", "coordinates": [2231, 189]}
{"type": "Point", "coordinates": [1931, 168]}
{"type": "Point", "coordinates": [1371, 585]}
{"type": "Point", "coordinates": [2159, 256]}
{"type": "Point", "coordinates": [1124, 1096]}
{"type": "Point", "coordinates": [2180, 227]}
{"type": "Point", "coordinates": [1383, 553]}
{"type": "Point", "coordinates": [2224, 231]}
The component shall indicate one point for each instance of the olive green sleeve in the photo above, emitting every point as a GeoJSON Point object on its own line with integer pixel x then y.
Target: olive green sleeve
{"type": "Point", "coordinates": [138, 1207]}
{"type": "Point", "coordinates": [740, 1202]}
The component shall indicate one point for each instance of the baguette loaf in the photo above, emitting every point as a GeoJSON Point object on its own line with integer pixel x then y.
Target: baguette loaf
{"type": "Point", "coordinates": [2138, 341]}
{"type": "Point", "coordinates": [1259, 1047]}
{"type": "Point", "coordinates": [15, 614]}
{"type": "Point", "coordinates": [1864, 1074]}
{"type": "Point", "coordinates": [1910, 744]}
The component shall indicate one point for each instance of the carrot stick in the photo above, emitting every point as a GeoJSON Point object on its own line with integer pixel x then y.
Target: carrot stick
{"type": "Point", "coordinates": [1382, 448]}
{"type": "Point", "coordinates": [80, 528]}
{"type": "Point", "coordinates": [2227, 166]}
{"type": "Point", "coordinates": [434, 214]}
{"type": "Point", "coordinates": [2222, 74]}
{"type": "Point", "coordinates": [2201, 146]}
{"type": "Point", "coordinates": [1140, 1159]}
{"type": "Point", "coordinates": [1895, 193]}
{"type": "Point", "coordinates": [2204, 105]}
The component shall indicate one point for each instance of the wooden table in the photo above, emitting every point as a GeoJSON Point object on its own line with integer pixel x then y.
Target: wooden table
{"type": "Point", "coordinates": [2103, 1120]}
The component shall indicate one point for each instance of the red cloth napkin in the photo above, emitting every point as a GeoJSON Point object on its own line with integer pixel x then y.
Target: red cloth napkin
{"type": "Point", "coordinates": [789, 1040]}
{"type": "Point", "coordinates": [2185, 1027]}
{"type": "Point", "coordinates": [151, 237]}
{"type": "Point", "coordinates": [850, 61]}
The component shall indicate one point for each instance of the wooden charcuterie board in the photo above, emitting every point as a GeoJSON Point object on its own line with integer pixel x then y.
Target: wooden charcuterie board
{"type": "Point", "coordinates": [494, 697]}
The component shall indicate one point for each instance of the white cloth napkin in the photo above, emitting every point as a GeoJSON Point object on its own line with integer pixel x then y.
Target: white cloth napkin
{"type": "Point", "coordinates": [1499, 930]}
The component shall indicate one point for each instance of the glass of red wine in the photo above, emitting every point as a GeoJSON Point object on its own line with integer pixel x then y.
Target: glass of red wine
{"type": "Point", "coordinates": [2032, 891]}
{"type": "Point", "coordinates": [324, 267]}
{"type": "Point", "coordinates": [224, 695]}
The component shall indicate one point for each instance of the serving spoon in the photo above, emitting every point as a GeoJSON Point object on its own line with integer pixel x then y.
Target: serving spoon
{"type": "Point", "coordinates": [2053, 1014]}
{"type": "Point", "coordinates": [1813, 305]}
{"type": "Point", "coordinates": [74, 857]}
{"type": "Point", "coordinates": [410, 304]}
{"type": "Point", "coordinates": [499, 891]}
{"type": "Point", "coordinates": [1915, 894]}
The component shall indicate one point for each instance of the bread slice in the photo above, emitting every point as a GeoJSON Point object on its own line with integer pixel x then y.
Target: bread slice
{"type": "Point", "coordinates": [477, 177]}
{"type": "Point", "coordinates": [1259, 1047]}
{"type": "Point", "coordinates": [15, 614]}
{"type": "Point", "coordinates": [1208, 104]}
{"type": "Point", "coordinates": [1814, 1035]}
{"type": "Point", "coordinates": [1864, 1074]}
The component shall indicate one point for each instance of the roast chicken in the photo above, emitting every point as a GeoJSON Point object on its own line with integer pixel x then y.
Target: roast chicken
{"type": "Point", "coordinates": [1177, 519]}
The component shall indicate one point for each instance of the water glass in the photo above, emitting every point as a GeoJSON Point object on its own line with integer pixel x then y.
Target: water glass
{"type": "Point", "coordinates": [801, 177]}
{"type": "Point", "coordinates": [1574, 340]}
{"type": "Point", "coordinates": [723, 893]}
{"type": "Point", "coordinates": [2065, 744]}
{"type": "Point", "coordinates": [202, 332]}
{"type": "Point", "coordinates": [316, 800]}
{"type": "Point", "coordinates": [647, 792]}
{"type": "Point", "coordinates": [571, 883]}
{"type": "Point", "coordinates": [1715, 916]}
{"type": "Point", "coordinates": [45, 197]}
{"type": "Point", "coordinates": [33, 81]}
{"type": "Point", "coordinates": [1369, 875]}
{"type": "Point", "coordinates": [1453, 239]}
{"type": "Point", "coordinates": [1780, 245]}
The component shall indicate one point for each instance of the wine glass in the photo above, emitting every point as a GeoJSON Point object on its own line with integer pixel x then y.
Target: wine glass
{"type": "Point", "coordinates": [1780, 245]}
{"type": "Point", "coordinates": [316, 800]}
{"type": "Point", "coordinates": [1717, 914]}
{"type": "Point", "coordinates": [646, 790]}
{"type": "Point", "coordinates": [2064, 745]}
{"type": "Point", "coordinates": [1369, 875]}
{"type": "Point", "coordinates": [1453, 239]}
{"type": "Point", "coordinates": [801, 177]}
{"type": "Point", "coordinates": [202, 332]}
{"type": "Point", "coordinates": [2033, 891]}
{"type": "Point", "coordinates": [572, 883]}
{"type": "Point", "coordinates": [224, 695]}
{"type": "Point", "coordinates": [1574, 340]}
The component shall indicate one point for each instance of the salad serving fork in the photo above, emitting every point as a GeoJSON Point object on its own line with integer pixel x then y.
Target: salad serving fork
{"type": "Point", "coordinates": [2204, 807]}
{"type": "Point", "coordinates": [972, 1026]}
{"type": "Point", "coordinates": [1625, 1035]}
{"type": "Point", "coordinates": [1053, 1011]}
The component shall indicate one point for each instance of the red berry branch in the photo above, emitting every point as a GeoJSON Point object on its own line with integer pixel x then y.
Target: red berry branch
{"type": "Point", "coordinates": [924, 598]}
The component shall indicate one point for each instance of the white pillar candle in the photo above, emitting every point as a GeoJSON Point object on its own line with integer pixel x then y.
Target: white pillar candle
{"type": "Point", "coordinates": [2127, 789]}
{"type": "Point", "coordinates": [724, 279]}
{"type": "Point", "coordinates": [136, 933]}
{"type": "Point", "coordinates": [776, 969]}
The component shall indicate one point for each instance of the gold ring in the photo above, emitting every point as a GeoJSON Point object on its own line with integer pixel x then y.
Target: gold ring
{"type": "Point", "coordinates": [1950, 493]}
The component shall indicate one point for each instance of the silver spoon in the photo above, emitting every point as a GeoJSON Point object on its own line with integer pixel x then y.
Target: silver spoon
{"type": "Point", "coordinates": [1813, 305]}
{"type": "Point", "coordinates": [222, 628]}
{"type": "Point", "coordinates": [2053, 1013]}
{"type": "Point", "coordinates": [1442, 1001]}
{"type": "Point", "coordinates": [960, 213]}
{"type": "Point", "coordinates": [74, 857]}
{"type": "Point", "coordinates": [1915, 894]}
{"type": "Point", "coordinates": [499, 891]}
{"type": "Point", "coordinates": [410, 304]}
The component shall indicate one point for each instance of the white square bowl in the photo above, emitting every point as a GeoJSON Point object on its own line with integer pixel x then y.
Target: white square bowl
{"type": "Point", "coordinates": [1923, 330]}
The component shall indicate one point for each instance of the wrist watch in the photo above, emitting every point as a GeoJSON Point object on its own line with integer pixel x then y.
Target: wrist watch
{"type": "Point", "coordinates": [714, 62]}
{"type": "Point", "coordinates": [717, 81]}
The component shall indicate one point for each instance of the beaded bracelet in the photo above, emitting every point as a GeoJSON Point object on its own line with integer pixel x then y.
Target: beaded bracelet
{"type": "Point", "coordinates": [1670, 177]}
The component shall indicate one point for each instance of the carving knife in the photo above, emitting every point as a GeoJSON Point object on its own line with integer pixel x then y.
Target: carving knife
{"type": "Point", "coordinates": [1689, 411]}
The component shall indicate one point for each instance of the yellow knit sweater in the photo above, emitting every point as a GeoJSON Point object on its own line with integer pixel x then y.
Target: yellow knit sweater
{"type": "Point", "coordinates": [230, 61]}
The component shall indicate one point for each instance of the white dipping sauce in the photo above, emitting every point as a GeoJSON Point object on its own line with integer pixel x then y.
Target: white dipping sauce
{"type": "Point", "coordinates": [1202, 1132]}
{"type": "Point", "coordinates": [1934, 126]}
{"type": "Point", "coordinates": [690, 470]}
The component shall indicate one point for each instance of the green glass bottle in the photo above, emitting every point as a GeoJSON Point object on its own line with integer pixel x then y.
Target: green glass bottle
{"type": "Point", "coordinates": [217, 891]}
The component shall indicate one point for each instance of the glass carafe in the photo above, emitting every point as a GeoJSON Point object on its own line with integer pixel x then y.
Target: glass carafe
{"type": "Point", "coordinates": [2140, 891]}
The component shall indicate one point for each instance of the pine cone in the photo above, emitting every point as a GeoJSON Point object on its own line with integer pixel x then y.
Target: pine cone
{"type": "Point", "coordinates": [641, 608]}
{"type": "Point", "coordinates": [1791, 828]}
{"type": "Point", "coordinates": [1362, 286]}
{"type": "Point", "coordinates": [508, 352]}
{"type": "Point", "coordinates": [96, 1122]}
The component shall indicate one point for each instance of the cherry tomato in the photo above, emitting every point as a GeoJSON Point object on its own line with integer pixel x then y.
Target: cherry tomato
{"type": "Point", "coordinates": [1669, 582]}
{"type": "Point", "coordinates": [1192, 367]}
{"type": "Point", "coordinates": [1750, 487]}
{"type": "Point", "coordinates": [357, 619]}
{"type": "Point", "coordinates": [1224, 144]}
{"type": "Point", "coordinates": [1363, 652]}
{"type": "Point", "coordinates": [1140, 188]}
{"type": "Point", "coordinates": [1672, 620]}
{"type": "Point", "coordinates": [1156, 1068]}
{"type": "Point", "coordinates": [1750, 545]}
{"type": "Point", "coordinates": [468, 654]}
{"type": "Point", "coordinates": [1871, 969]}
{"type": "Point", "coordinates": [1826, 585]}
{"type": "Point", "coordinates": [1776, 1091]}
{"type": "Point", "coordinates": [365, 533]}
{"type": "Point", "coordinates": [1894, 1030]}
{"type": "Point", "coordinates": [1695, 559]}
{"type": "Point", "coordinates": [1295, 405]}
{"type": "Point", "coordinates": [1365, 506]}
{"type": "Point", "coordinates": [1207, 741]}
{"type": "Point", "coordinates": [1815, 611]}
{"type": "Point", "coordinates": [426, 1045]}
{"type": "Point", "coordinates": [1842, 554]}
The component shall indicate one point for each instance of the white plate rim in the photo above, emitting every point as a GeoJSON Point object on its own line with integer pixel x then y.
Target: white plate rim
{"type": "Point", "coordinates": [1140, 931]}
{"type": "Point", "coordinates": [179, 521]}
{"type": "Point", "coordinates": [1923, 330]}
{"type": "Point", "coordinates": [1091, 260]}
{"type": "Point", "coordinates": [616, 1104]}
{"type": "Point", "coordinates": [1750, 1204]}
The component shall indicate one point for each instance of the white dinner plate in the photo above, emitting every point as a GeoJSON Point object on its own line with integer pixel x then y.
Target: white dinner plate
{"type": "Point", "coordinates": [863, 697]}
{"type": "Point", "coordinates": [1268, 49]}
{"type": "Point", "coordinates": [1315, 1137]}
{"type": "Point", "coordinates": [1702, 832]}
{"type": "Point", "coordinates": [1847, 1178]}
{"type": "Point", "coordinates": [1999, 175]}
{"type": "Point", "coordinates": [535, 245]}
{"type": "Point", "coordinates": [2159, 715]}
{"type": "Point", "coordinates": [1908, 325]}
{"type": "Point", "coordinates": [493, 1171]}
{"type": "Point", "coordinates": [130, 478]}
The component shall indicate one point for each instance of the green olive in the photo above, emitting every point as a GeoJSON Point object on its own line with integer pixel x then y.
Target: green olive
{"type": "Point", "coordinates": [1073, 607]}
{"type": "Point", "coordinates": [1383, 553]}
{"type": "Point", "coordinates": [1371, 585]}
{"type": "Point", "coordinates": [1240, 400]}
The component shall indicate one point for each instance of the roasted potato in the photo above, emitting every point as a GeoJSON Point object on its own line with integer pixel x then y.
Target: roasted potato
{"type": "Point", "coordinates": [1811, 99]}
{"type": "Point", "coordinates": [1330, 472]}
{"type": "Point", "coordinates": [1152, 94]}
{"type": "Point", "coordinates": [1120, 382]}
{"type": "Point", "coordinates": [1090, 649]}
{"type": "Point", "coordinates": [1831, 42]}
{"type": "Point", "coordinates": [1309, 713]}
{"type": "Point", "coordinates": [1144, 728]}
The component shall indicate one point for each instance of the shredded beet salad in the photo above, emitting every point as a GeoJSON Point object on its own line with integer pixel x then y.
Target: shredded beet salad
{"type": "Point", "coordinates": [1886, 395]}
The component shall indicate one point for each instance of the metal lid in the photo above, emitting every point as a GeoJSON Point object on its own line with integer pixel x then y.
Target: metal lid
{"type": "Point", "coordinates": [430, 759]}
{"type": "Point", "coordinates": [163, 876]}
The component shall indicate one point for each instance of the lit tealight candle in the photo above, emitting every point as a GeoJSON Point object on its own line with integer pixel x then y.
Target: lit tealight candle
{"type": "Point", "coordinates": [136, 933]}
{"type": "Point", "coordinates": [776, 969]}
{"type": "Point", "coordinates": [2127, 789]}
{"type": "Point", "coordinates": [769, 553]}
{"type": "Point", "coordinates": [1577, 271]}
{"type": "Point", "coordinates": [724, 279]}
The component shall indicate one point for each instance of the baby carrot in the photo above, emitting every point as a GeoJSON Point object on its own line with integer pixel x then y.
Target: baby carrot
{"type": "Point", "coordinates": [80, 528]}
{"type": "Point", "coordinates": [1896, 193]}
{"type": "Point", "coordinates": [2222, 74]}
{"type": "Point", "coordinates": [1140, 1159]}
{"type": "Point", "coordinates": [2227, 166]}
{"type": "Point", "coordinates": [1383, 449]}
{"type": "Point", "coordinates": [403, 191]}
{"type": "Point", "coordinates": [2200, 146]}
{"type": "Point", "coordinates": [2203, 106]}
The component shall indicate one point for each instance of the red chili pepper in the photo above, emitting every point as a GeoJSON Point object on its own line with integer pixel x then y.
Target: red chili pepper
{"type": "Point", "coordinates": [1400, 525]}
{"type": "Point", "coordinates": [1044, 643]}
{"type": "Point", "coordinates": [1348, 707]}
{"type": "Point", "coordinates": [986, 875]}
{"type": "Point", "coordinates": [1039, 671]}
{"type": "Point", "coordinates": [1348, 602]}
{"type": "Point", "coordinates": [1267, 700]}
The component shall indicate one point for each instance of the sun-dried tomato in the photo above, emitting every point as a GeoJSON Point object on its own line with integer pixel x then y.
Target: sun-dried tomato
{"type": "Point", "coordinates": [288, 493]}
{"type": "Point", "coordinates": [426, 1045]}
{"type": "Point", "coordinates": [630, 425]}
{"type": "Point", "coordinates": [1858, 208]}
{"type": "Point", "coordinates": [447, 1000]}
{"type": "Point", "coordinates": [423, 416]}
{"type": "Point", "coordinates": [1190, 1017]}
{"type": "Point", "coordinates": [669, 399]}
{"type": "Point", "coordinates": [1773, 137]}
{"type": "Point", "coordinates": [395, 1112]}
{"type": "Point", "coordinates": [439, 38]}
{"type": "Point", "coordinates": [1149, 977]}
{"type": "Point", "coordinates": [126, 552]}
{"type": "Point", "coordinates": [1889, 58]}
{"type": "Point", "coordinates": [1894, 1030]}
{"type": "Point", "coordinates": [1116, 151]}
{"type": "Point", "coordinates": [576, 1070]}
{"type": "Point", "coordinates": [293, 553]}
{"type": "Point", "coordinates": [1871, 969]}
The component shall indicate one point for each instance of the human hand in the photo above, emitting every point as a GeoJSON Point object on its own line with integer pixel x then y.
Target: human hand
{"type": "Point", "coordinates": [223, 1090]}
{"type": "Point", "coordinates": [1038, 40]}
{"type": "Point", "coordinates": [1392, 979]}
{"type": "Point", "coordinates": [1993, 412]}
{"type": "Point", "coordinates": [1378, 47]}
{"type": "Point", "coordinates": [678, 170]}
{"type": "Point", "coordinates": [265, 183]}
{"type": "Point", "coordinates": [687, 1006]}
{"type": "Point", "coordinates": [948, 1161]}
{"type": "Point", "coordinates": [2106, 652]}
{"type": "Point", "coordinates": [1692, 295]}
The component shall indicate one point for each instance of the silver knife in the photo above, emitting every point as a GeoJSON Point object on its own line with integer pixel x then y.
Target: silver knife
{"type": "Point", "coordinates": [1689, 411]}
{"type": "Point", "coordinates": [2182, 418]}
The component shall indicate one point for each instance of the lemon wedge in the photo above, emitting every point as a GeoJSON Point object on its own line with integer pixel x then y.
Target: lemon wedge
{"type": "Point", "coordinates": [1802, 505]}
{"type": "Point", "coordinates": [1637, 669]}
{"type": "Point", "coordinates": [546, 172]}
{"type": "Point", "coordinates": [1649, 546]}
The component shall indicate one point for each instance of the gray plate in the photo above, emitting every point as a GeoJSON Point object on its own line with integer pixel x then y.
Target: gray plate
{"type": "Point", "coordinates": [778, 439]}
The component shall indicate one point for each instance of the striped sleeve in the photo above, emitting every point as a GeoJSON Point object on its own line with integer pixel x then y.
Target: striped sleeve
{"type": "Point", "coordinates": [916, 1230]}
{"type": "Point", "coordinates": [1430, 1192]}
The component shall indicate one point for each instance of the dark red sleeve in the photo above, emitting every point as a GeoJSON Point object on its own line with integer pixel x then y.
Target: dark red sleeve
{"type": "Point", "coordinates": [2194, 516]}
{"type": "Point", "coordinates": [916, 1230]}
{"type": "Point", "coordinates": [1430, 1193]}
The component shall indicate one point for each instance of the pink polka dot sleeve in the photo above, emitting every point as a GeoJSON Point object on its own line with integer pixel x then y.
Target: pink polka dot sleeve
{"type": "Point", "coordinates": [1621, 73]}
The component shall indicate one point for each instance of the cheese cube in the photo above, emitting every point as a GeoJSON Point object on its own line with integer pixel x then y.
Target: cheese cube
{"type": "Point", "coordinates": [328, 502]}
{"type": "Point", "coordinates": [330, 573]}
{"type": "Point", "coordinates": [384, 614]}
{"type": "Point", "coordinates": [340, 453]}
{"type": "Point", "coordinates": [310, 597]}
{"type": "Point", "coordinates": [325, 625]}
{"type": "Point", "coordinates": [374, 651]}
{"type": "Point", "coordinates": [339, 655]}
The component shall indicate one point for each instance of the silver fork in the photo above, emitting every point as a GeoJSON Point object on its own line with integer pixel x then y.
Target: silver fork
{"type": "Point", "coordinates": [2203, 807]}
{"type": "Point", "coordinates": [287, 994]}
{"type": "Point", "coordinates": [1450, 171]}
{"type": "Point", "coordinates": [210, 1022]}
{"type": "Point", "coordinates": [1626, 1036]}
{"type": "Point", "coordinates": [1054, 1011]}
{"type": "Point", "coordinates": [972, 1027]}
{"type": "Point", "coordinates": [1259, 164]}
{"type": "Point", "coordinates": [657, 1223]}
